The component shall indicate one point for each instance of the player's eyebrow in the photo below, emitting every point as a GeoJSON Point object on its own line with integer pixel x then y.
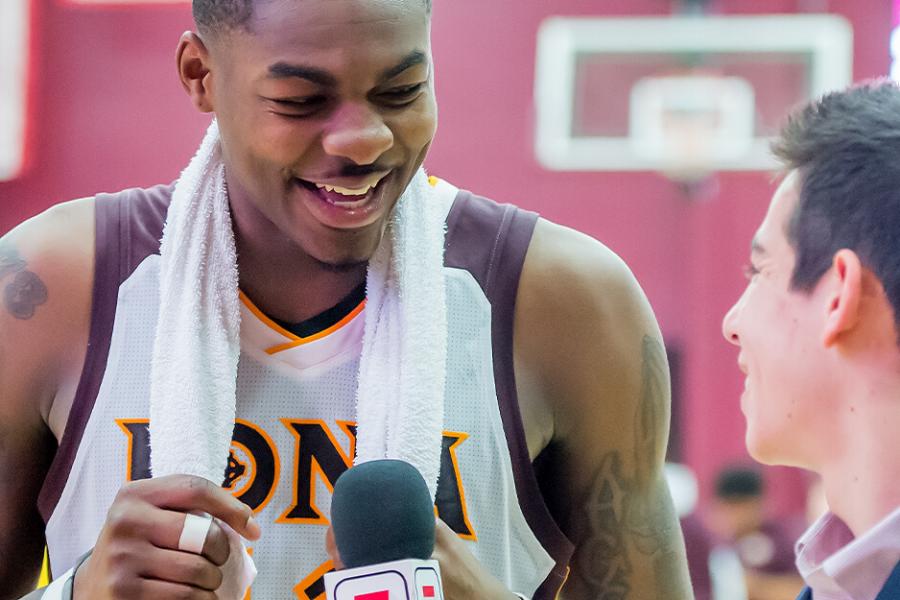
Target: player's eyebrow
{"type": "Point", "coordinates": [416, 57]}
{"type": "Point", "coordinates": [285, 70]}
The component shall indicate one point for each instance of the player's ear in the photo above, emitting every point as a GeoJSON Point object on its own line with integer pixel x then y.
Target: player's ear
{"type": "Point", "coordinates": [193, 69]}
{"type": "Point", "coordinates": [844, 291]}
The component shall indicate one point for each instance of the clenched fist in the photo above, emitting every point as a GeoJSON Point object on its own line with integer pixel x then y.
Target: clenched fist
{"type": "Point", "coordinates": [137, 553]}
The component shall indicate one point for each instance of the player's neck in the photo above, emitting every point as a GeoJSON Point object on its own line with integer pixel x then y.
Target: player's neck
{"type": "Point", "coordinates": [275, 272]}
{"type": "Point", "coordinates": [286, 283]}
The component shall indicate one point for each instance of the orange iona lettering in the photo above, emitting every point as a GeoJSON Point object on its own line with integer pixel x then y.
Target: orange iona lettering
{"type": "Point", "coordinates": [254, 468]}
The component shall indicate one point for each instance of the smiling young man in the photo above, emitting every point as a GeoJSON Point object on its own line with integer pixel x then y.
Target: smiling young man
{"type": "Point", "coordinates": [557, 393]}
{"type": "Point", "coordinates": [817, 329]}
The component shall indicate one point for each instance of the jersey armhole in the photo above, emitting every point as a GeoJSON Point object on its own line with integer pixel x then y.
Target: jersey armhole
{"type": "Point", "coordinates": [491, 240]}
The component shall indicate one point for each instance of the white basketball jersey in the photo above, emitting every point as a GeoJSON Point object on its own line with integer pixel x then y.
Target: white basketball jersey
{"type": "Point", "coordinates": [294, 432]}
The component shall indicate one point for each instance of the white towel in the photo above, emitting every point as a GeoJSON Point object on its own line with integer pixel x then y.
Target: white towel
{"type": "Point", "coordinates": [193, 376]}
{"type": "Point", "coordinates": [400, 400]}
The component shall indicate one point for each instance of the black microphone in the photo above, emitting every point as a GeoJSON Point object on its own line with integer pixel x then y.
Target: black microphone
{"type": "Point", "coordinates": [383, 520]}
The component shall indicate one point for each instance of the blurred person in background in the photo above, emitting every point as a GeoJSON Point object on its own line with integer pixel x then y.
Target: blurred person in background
{"type": "Point", "coordinates": [817, 329]}
{"type": "Point", "coordinates": [764, 546]}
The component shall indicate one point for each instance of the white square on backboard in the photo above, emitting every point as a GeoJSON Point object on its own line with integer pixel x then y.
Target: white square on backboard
{"type": "Point", "coordinates": [14, 61]}
{"type": "Point", "coordinates": [720, 110]}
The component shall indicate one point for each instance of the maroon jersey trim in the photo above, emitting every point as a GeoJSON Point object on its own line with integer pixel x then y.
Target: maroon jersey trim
{"type": "Point", "coordinates": [490, 241]}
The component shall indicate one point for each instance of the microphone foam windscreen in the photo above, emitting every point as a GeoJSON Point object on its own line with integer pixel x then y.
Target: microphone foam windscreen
{"type": "Point", "coordinates": [382, 511]}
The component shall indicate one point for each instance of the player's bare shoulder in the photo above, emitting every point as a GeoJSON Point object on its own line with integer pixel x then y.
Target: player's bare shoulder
{"type": "Point", "coordinates": [46, 281]}
{"type": "Point", "coordinates": [580, 315]}
{"type": "Point", "coordinates": [578, 303]}
{"type": "Point", "coordinates": [576, 272]}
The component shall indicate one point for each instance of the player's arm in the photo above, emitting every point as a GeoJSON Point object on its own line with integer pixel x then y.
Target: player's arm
{"type": "Point", "coordinates": [589, 354]}
{"type": "Point", "coordinates": [45, 279]}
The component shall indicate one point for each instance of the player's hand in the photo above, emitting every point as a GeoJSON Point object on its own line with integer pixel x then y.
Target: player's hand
{"type": "Point", "coordinates": [462, 576]}
{"type": "Point", "coordinates": [137, 554]}
{"type": "Point", "coordinates": [331, 549]}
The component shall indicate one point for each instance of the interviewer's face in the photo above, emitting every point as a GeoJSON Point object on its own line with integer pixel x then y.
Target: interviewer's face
{"type": "Point", "coordinates": [322, 93]}
{"type": "Point", "coordinates": [778, 331]}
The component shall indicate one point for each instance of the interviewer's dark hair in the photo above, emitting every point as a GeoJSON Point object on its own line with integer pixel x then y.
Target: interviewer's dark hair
{"type": "Point", "coordinates": [217, 15]}
{"type": "Point", "coordinates": [846, 149]}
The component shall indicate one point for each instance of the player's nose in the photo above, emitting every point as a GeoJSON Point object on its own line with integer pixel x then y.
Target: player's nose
{"type": "Point", "coordinates": [358, 133]}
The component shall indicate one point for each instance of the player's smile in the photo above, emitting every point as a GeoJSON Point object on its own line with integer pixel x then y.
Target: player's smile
{"type": "Point", "coordinates": [346, 203]}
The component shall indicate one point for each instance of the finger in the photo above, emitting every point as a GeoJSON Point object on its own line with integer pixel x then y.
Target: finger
{"type": "Point", "coordinates": [155, 589]}
{"type": "Point", "coordinates": [444, 540]}
{"type": "Point", "coordinates": [331, 549]}
{"type": "Point", "coordinates": [164, 531]}
{"type": "Point", "coordinates": [442, 531]}
{"type": "Point", "coordinates": [216, 548]}
{"type": "Point", "coordinates": [189, 493]}
{"type": "Point", "coordinates": [176, 566]}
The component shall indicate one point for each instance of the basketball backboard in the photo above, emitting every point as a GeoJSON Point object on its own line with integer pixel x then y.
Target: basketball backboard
{"type": "Point", "coordinates": [682, 94]}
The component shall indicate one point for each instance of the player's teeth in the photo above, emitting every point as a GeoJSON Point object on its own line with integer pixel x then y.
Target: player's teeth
{"type": "Point", "coordinates": [345, 191]}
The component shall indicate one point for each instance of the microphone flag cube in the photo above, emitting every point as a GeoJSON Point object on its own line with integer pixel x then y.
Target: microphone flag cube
{"type": "Point", "coordinates": [407, 579]}
{"type": "Point", "coordinates": [379, 595]}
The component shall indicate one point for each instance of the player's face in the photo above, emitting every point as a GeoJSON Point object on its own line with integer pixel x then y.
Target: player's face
{"type": "Point", "coordinates": [326, 110]}
{"type": "Point", "coordinates": [778, 331]}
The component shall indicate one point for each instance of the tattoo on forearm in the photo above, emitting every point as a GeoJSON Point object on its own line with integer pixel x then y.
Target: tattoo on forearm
{"type": "Point", "coordinates": [626, 513]}
{"type": "Point", "coordinates": [25, 291]}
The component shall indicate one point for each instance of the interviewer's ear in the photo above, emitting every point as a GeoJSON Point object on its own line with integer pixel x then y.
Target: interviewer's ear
{"type": "Point", "coordinates": [193, 69]}
{"type": "Point", "coordinates": [844, 295]}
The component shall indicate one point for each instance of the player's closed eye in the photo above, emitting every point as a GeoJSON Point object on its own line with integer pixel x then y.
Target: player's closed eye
{"type": "Point", "coordinates": [298, 107]}
{"type": "Point", "coordinates": [401, 96]}
{"type": "Point", "coordinates": [750, 271]}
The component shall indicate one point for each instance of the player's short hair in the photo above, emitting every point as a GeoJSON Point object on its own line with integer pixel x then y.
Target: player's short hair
{"type": "Point", "coordinates": [739, 483]}
{"type": "Point", "coordinates": [846, 149]}
{"type": "Point", "coordinates": [217, 15]}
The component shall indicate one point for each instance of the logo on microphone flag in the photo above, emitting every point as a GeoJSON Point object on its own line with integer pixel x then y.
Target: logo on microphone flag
{"type": "Point", "coordinates": [428, 591]}
{"type": "Point", "coordinates": [382, 595]}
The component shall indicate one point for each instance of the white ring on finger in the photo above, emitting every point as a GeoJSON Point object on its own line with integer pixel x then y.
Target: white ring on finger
{"type": "Point", "coordinates": [193, 534]}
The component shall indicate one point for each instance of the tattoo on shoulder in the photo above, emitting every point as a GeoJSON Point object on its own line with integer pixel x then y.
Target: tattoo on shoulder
{"type": "Point", "coordinates": [24, 291]}
{"type": "Point", "coordinates": [649, 420]}
{"type": "Point", "coordinates": [629, 516]}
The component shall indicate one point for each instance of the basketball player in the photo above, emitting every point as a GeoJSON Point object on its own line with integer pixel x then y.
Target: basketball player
{"type": "Point", "coordinates": [818, 336]}
{"type": "Point", "coordinates": [551, 475]}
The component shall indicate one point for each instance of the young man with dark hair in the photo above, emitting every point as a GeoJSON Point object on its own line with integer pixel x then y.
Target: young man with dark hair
{"type": "Point", "coordinates": [817, 329]}
{"type": "Point", "coordinates": [287, 276]}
